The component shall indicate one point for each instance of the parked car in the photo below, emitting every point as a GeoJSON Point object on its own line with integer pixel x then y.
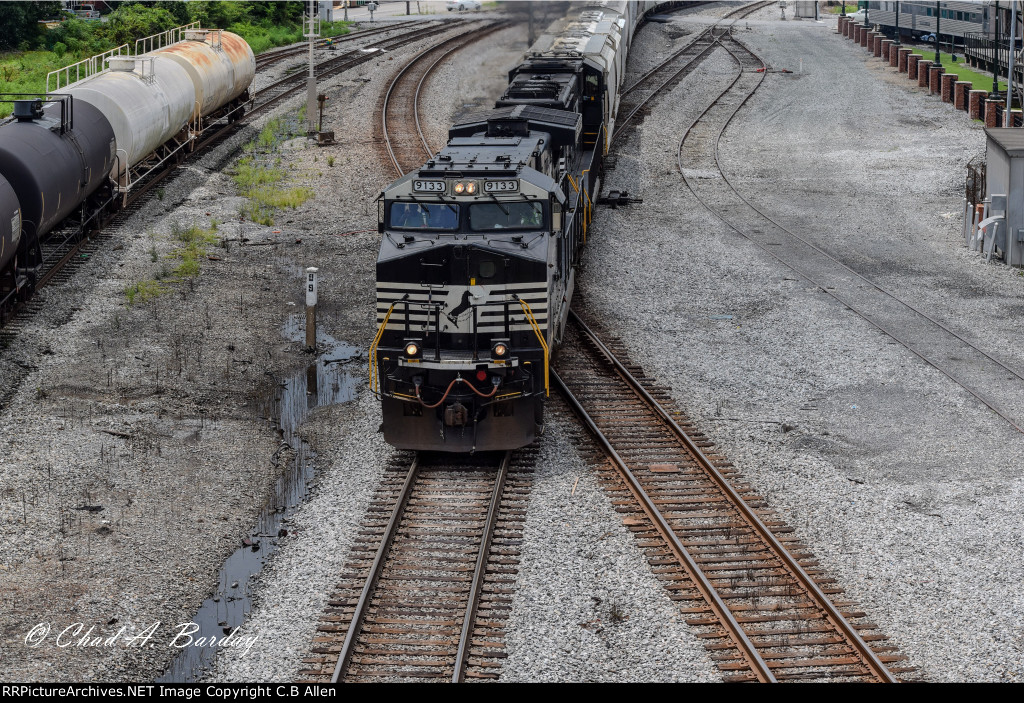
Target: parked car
{"type": "Point", "coordinates": [858, 16]}
{"type": "Point", "coordinates": [927, 38]}
{"type": "Point", "coordinates": [462, 5]}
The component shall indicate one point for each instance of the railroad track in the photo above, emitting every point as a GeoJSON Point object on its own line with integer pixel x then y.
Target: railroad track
{"type": "Point", "coordinates": [637, 97]}
{"type": "Point", "coordinates": [991, 381]}
{"type": "Point", "coordinates": [431, 575]}
{"type": "Point", "coordinates": [290, 85]}
{"type": "Point", "coordinates": [273, 56]}
{"type": "Point", "coordinates": [406, 144]}
{"type": "Point", "coordinates": [756, 595]}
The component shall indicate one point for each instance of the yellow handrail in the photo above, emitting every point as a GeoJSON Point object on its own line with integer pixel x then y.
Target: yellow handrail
{"type": "Point", "coordinates": [588, 209]}
{"type": "Point", "coordinates": [373, 348]}
{"type": "Point", "coordinates": [543, 343]}
{"type": "Point", "coordinates": [577, 189]}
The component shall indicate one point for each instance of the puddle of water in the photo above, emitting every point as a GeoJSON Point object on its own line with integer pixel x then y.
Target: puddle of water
{"type": "Point", "coordinates": [327, 381]}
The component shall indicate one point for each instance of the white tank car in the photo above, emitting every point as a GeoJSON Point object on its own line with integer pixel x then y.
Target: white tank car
{"type": "Point", "coordinates": [150, 99]}
{"type": "Point", "coordinates": [147, 100]}
{"type": "Point", "coordinates": [220, 64]}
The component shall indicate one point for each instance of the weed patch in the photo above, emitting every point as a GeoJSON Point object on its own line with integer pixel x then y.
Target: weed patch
{"type": "Point", "coordinates": [261, 179]}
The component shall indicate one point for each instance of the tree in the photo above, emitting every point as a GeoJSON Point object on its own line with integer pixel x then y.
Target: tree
{"type": "Point", "coordinates": [130, 22]}
{"type": "Point", "coordinates": [19, 22]}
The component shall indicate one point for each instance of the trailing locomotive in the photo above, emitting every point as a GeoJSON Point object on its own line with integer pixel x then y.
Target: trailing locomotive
{"type": "Point", "coordinates": [478, 257]}
{"type": "Point", "coordinates": [77, 150]}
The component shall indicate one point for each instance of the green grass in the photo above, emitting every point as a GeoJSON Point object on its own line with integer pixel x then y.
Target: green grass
{"type": "Point", "coordinates": [979, 81]}
{"type": "Point", "coordinates": [262, 38]}
{"type": "Point", "coordinates": [26, 72]}
{"type": "Point", "coordinates": [142, 291]}
{"type": "Point", "coordinates": [260, 178]}
{"type": "Point", "coordinates": [192, 243]}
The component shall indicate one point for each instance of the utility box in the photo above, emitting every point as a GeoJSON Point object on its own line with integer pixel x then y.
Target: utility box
{"type": "Point", "coordinates": [807, 9]}
{"type": "Point", "coordinates": [1004, 156]}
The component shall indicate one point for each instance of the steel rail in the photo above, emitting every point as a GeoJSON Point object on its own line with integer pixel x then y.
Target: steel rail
{"type": "Point", "coordinates": [991, 404]}
{"type": "Point", "coordinates": [746, 9]}
{"type": "Point", "coordinates": [480, 572]}
{"type": "Point", "coordinates": [419, 86]}
{"type": "Point", "coordinates": [707, 33]}
{"type": "Point", "coordinates": [861, 276]}
{"type": "Point", "coordinates": [268, 57]}
{"type": "Point", "coordinates": [406, 70]}
{"type": "Point", "coordinates": [332, 67]}
{"type": "Point", "coordinates": [871, 660]}
{"type": "Point", "coordinates": [355, 624]}
{"type": "Point", "coordinates": [746, 648]}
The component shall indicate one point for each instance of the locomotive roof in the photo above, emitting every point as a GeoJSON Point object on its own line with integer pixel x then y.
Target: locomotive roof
{"type": "Point", "coordinates": [581, 35]}
{"type": "Point", "coordinates": [480, 153]}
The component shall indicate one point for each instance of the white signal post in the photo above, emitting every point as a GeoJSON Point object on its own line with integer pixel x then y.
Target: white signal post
{"type": "Point", "coordinates": [311, 281]}
{"type": "Point", "coordinates": [312, 33]}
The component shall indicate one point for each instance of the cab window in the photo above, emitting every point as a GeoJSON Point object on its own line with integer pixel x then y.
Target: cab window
{"type": "Point", "coordinates": [484, 217]}
{"type": "Point", "coordinates": [439, 216]}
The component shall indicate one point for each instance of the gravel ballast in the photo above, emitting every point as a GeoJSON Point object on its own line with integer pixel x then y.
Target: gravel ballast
{"type": "Point", "coordinates": [898, 480]}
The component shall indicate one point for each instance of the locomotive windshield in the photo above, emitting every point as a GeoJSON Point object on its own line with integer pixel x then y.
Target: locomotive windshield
{"type": "Point", "coordinates": [442, 216]}
{"type": "Point", "coordinates": [506, 215]}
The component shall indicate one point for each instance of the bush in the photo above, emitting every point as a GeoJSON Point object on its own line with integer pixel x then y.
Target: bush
{"type": "Point", "coordinates": [130, 22]}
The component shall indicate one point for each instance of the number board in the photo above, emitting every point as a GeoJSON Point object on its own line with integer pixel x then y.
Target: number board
{"type": "Point", "coordinates": [500, 186]}
{"type": "Point", "coordinates": [428, 186]}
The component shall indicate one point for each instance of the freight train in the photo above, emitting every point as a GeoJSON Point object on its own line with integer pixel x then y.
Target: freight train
{"type": "Point", "coordinates": [80, 150]}
{"type": "Point", "coordinates": [480, 245]}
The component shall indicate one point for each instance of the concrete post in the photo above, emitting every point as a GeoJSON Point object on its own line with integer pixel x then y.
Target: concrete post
{"type": "Point", "coordinates": [311, 295]}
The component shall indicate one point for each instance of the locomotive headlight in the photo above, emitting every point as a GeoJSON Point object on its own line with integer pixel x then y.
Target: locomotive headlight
{"type": "Point", "coordinates": [499, 350]}
{"type": "Point", "coordinates": [412, 349]}
{"type": "Point", "coordinates": [459, 187]}
{"type": "Point", "coordinates": [471, 188]}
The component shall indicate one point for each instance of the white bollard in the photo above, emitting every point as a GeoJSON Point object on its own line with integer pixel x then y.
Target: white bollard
{"type": "Point", "coordinates": [311, 308]}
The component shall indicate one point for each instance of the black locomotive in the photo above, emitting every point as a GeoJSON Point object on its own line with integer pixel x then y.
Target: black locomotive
{"type": "Point", "coordinates": [478, 257]}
